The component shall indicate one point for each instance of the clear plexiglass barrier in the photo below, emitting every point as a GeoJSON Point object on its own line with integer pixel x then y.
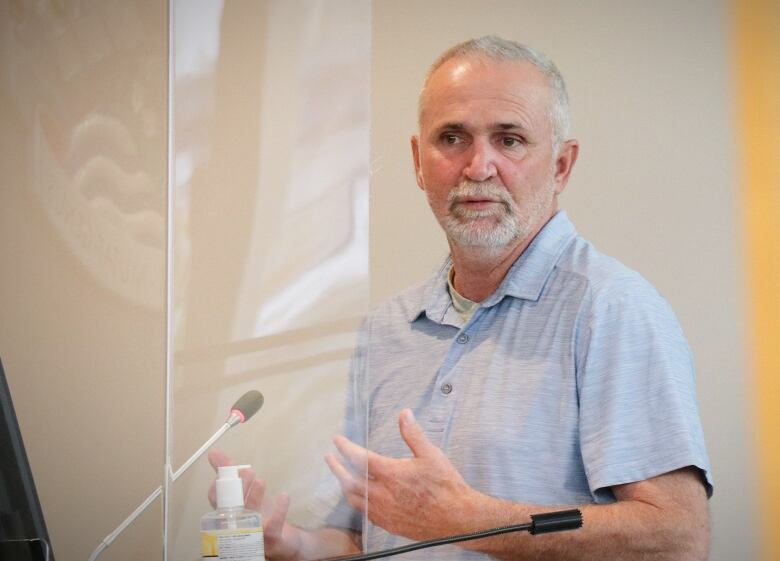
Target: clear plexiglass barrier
{"type": "Point", "coordinates": [270, 243]}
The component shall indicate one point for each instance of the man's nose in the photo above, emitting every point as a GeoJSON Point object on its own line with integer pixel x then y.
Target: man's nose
{"type": "Point", "coordinates": [482, 163]}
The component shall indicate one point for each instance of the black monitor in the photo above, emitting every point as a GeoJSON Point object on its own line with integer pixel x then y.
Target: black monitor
{"type": "Point", "coordinates": [23, 535]}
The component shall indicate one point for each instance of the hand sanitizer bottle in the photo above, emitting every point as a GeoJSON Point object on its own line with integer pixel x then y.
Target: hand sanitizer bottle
{"type": "Point", "coordinates": [231, 532]}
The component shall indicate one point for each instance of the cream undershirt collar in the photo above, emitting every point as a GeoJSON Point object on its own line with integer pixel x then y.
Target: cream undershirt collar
{"type": "Point", "coordinates": [463, 306]}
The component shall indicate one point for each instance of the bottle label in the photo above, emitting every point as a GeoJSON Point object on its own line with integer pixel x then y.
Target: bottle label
{"type": "Point", "coordinates": [245, 544]}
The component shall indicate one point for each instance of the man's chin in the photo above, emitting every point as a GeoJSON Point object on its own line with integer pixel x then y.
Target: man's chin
{"type": "Point", "coordinates": [487, 248]}
{"type": "Point", "coordinates": [485, 239]}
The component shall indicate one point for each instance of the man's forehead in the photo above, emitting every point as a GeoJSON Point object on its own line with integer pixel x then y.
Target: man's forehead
{"type": "Point", "coordinates": [498, 95]}
{"type": "Point", "coordinates": [470, 70]}
{"type": "Point", "coordinates": [462, 79]}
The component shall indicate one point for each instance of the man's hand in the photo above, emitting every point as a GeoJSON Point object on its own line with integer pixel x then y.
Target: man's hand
{"type": "Point", "coordinates": [282, 540]}
{"type": "Point", "coordinates": [419, 498]}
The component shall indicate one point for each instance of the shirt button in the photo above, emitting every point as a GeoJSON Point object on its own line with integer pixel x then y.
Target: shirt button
{"type": "Point", "coordinates": [462, 338]}
{"type": "Point", "coordinates": [446, 388]}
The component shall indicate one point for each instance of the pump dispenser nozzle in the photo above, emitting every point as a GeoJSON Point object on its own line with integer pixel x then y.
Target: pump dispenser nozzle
{"type": "Point", "coordinates": [230, 488]}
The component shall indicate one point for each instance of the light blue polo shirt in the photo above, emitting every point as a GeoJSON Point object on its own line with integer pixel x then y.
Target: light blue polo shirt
{"type": "Point", "coordinates": [574, 376]}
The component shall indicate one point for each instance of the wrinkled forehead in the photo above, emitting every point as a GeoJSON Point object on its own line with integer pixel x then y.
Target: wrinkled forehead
{"type": "Point", "coordinates": [464, 83]}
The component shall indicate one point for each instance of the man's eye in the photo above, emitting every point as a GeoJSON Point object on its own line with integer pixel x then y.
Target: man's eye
{"type": "Point", "coordinates": [450, 138]}
{"type": "Point", "coordinates": [510, 141]}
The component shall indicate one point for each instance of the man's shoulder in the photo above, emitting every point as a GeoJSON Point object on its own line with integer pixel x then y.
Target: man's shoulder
{"type": "Point", "coordinates": [605, 277]}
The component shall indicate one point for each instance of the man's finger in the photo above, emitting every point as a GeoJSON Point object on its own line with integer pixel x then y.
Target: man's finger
{"type": "Point", "coordinates": [356, 455]}
{"type": "Point", "coordinates": [218, 458]}
{"type": "Point", "coordinates": [414, 436]}
{"type": "Point", "coordinates": [253, 494]}
{"type": "Point", "coordinates": [357, 502]}
{"type": "Point", "coordinates": [212, 494]}
{"type": "Point", "coordinates": [274, 524]}
{"type": "Point", "coordinates": [362, 460]}
{"type": "Point", "coordinates": [349, 483]}
{"type": "Point", "coordinates": [248, 476]}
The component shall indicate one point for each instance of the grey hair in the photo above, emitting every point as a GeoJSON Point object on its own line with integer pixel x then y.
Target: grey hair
{"type": "Point", "coordinates": [496, 48]}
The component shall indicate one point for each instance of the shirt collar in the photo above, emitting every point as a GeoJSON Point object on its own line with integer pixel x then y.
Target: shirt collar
{"type": "Point", "coordinates": [524, 280]}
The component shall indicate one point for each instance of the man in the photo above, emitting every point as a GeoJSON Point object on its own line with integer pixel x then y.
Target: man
{"type": "Point", "coordinates": [532, 373]}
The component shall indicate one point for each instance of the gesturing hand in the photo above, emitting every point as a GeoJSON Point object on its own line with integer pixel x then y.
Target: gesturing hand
{"type": "Point", "coordinates": [419, 498]}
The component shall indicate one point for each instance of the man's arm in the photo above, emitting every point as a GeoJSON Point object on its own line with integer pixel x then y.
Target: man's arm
{"type": "Point", "coordinates": [663, 518]}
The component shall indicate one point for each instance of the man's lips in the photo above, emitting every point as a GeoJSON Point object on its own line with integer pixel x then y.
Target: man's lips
{"type": "Point", "coordinates": [477, 203]}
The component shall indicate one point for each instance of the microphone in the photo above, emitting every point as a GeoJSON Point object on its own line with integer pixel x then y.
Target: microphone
{"type": "Point", "coordinates": [243, 410]}
{"type": "Point", "coordinates": [246, 406]}
{"type": "Point", "coordinates": [540, 524]}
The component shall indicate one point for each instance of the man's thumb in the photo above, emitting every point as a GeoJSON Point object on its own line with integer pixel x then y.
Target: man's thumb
{"type": "Point", "coordinates": [413, 435]}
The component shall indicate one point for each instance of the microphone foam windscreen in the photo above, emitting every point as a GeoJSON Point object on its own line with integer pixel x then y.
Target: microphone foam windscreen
{"type": "Point", "coordinates": [249, 403]}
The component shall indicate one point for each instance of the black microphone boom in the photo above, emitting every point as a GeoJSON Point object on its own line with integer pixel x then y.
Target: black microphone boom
{"type": "Point", "coordinates": [540, 524]}
{"type": "Point", "coordinates": [556, 521]}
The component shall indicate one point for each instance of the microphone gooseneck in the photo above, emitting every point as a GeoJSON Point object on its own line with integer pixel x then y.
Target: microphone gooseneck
{"type": "Point", "coordinates": [246, 406]}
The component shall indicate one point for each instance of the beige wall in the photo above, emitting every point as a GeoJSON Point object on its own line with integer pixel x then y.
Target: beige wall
{"type": "Point", "coordinates": [651, 96]}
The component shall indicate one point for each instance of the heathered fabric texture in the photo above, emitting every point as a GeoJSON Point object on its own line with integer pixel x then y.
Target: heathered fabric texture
{"type": "Point", "coordinates": [573, 377]}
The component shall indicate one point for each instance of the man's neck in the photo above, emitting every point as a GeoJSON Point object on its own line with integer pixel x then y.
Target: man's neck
{"type": "Point", "coordinates": [479, 271]}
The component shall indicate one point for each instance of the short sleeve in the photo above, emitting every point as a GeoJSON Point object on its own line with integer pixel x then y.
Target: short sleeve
{"type": "Point", "coordinates": [636, 383]}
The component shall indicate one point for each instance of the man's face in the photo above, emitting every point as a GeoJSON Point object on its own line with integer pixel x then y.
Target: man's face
{"type": "Point", "coordinates": [484, 155]}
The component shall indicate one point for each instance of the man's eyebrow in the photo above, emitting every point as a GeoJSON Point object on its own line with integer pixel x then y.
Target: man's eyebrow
{"type": "Point", "coordinates": [452, 126]}
{"type": "Point", "coordinates": [509, 126]}
{"type": "Point", "coordinates": [459, 126]}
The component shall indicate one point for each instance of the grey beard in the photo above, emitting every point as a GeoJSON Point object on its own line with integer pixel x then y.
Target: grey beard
{"type": "Point", "coordinates": [489, 228]}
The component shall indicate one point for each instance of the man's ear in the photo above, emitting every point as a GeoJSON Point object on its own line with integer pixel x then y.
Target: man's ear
{"type": "Point", "coordinates": [416, 157]}
{"type": "Point", "coordinates": [564, 163]}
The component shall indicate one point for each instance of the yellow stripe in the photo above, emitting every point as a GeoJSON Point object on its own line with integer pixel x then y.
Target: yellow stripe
{"type": "Point", "coordinates": [758, 91]}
